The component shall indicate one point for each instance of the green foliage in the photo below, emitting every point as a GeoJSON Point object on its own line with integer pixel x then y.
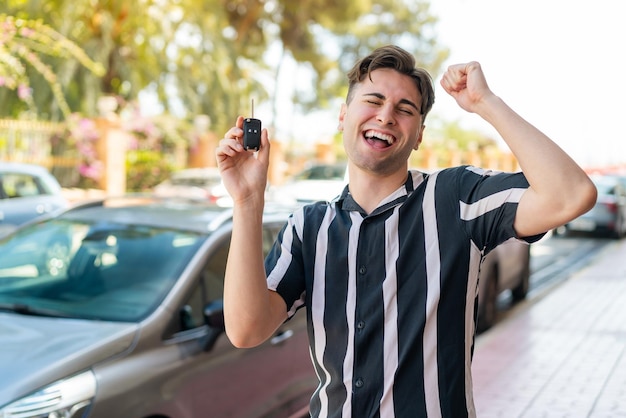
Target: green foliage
{"type": "Point", "coordinates": [210, 57]}
{"type": "Point", "coordinates": [23, 44]}
{"type": "Point", "coordinates": [145, 169]}
{"type": "Point", "coordinates": [379, 22]}
{"type": "Point", "coordinates": [446, 134]}
{"type": "Point", "coordinates": [197, 57]}
{"type": "Point", "coordinates": [153, 141]}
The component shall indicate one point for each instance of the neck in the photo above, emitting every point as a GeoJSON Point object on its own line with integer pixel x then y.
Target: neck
{"type": "Point", "coordinates": [369, 189]}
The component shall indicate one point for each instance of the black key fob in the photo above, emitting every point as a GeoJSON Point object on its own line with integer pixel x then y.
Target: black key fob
{"type": "Point", "coordinates": [251, 134]}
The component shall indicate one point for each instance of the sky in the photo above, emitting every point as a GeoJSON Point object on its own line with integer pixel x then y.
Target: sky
{"type": "Point", "coordinates": [560, 64]}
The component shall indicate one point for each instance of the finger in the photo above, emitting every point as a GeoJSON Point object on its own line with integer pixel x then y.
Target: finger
{"type": "Point", "coordinates": [476, 74]}
{"type": "Point", "coordinates": [472, 66]}
{"type": "Point", "coordinates": [239, 123]}
{"type": "Point", "coordinates": [228, 147]}
{"type": "Point", "coordinates": [449, 85]}
{"type": "Point", "coordinates": [263, 155]}
{"type": "Point", "coordinates": [454, 79]}
{"type": "Point", "coordinates": [234, 133]}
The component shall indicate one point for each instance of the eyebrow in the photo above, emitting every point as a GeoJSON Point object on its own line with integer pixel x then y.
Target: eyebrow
{"type": "Point", "coordinates": [402, 101]}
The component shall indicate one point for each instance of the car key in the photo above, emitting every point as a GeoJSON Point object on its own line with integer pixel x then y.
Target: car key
{"type": "Point", "coordinates": [252, 132]}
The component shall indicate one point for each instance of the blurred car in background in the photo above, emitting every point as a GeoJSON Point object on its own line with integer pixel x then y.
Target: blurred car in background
{"type": "Point", "coordinates": [195, 183]}
{"type": "Point", "coordinates": [27, 191]}
{"type": "Point", "coordinates": [114, 309]}
{"type": "Point", "coordinates": [315, 183]}
{"type": "Point", "coordinates": [505, 269]}
{"type": "Point", "coordinates": [608, 215]}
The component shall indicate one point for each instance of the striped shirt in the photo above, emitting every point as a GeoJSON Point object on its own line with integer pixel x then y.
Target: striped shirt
{"type": "Point", "coordinates": [391, 295]}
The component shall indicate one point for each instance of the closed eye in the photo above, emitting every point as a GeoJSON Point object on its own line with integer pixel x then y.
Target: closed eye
{"type": "Point", "coordinates": [404, 106]}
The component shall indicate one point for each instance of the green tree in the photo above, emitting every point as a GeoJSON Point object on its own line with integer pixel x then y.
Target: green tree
{"type": "Point", "coordinates": [23, 44]}
{"type": "Point", "coordinates": [208, 57]}
{"type": "Point", "coordinates": [405, 23]}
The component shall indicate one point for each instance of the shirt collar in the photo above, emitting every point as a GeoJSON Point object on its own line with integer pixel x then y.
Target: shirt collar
{"type": "Point", "coordinates": [347, 203]}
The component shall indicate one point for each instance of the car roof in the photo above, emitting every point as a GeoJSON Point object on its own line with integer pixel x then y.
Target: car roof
{"type": "Point", "coordinates": [49, 182]}
{"type": "Point", "coordinates": [178, 213]}
{"type": "Point", "coordinates": [28, 168]}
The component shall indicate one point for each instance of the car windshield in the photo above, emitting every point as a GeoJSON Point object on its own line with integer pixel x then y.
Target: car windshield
{"type": "Point", "coordinates": [105, 271]}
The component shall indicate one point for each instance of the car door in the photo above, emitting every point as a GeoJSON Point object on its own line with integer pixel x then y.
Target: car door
{"type": "Point", "coordinates": [274, 379]}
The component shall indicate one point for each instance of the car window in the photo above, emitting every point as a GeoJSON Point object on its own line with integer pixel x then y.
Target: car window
{"type": "Point", "coordinates": [607, 185]}
{"type": "Point", "coordinates": [270, 233]}
{"type": "Point", "coordinates": [605, 188]}
{"type": "Point", "coordinates": [20, 185]}
{"type": "Point", "coordinates": [210, 286]}
{"type": "Point", "coordinates": [107, 271]}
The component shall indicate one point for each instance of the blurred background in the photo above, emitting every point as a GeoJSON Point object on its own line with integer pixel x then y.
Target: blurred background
{"type": "Point", "coordinates": [115, 96]}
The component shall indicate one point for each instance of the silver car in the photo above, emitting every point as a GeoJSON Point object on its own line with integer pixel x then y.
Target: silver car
{"type": "Point", "coordinates": [114, 309]}
{"type": "Point", "coordinates": [505, 269]}
{"type": "Point", "coordinates": [608, 215]}
{"type": "Point", "coordinates": [195, 183]}
{"type": "Point", "coordinates": [27, 191]}
{"type": "Point", "coordinates": [315, 183]}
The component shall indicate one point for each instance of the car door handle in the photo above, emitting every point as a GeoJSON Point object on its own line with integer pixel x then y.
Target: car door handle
{"type": "Point", "coordinates": [281, 337]}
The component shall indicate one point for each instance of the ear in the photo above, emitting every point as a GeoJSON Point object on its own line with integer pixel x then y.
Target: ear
{"type": "Point", "coordinates": [342, 115]}
{"type": "Point", "coordinates": [418, 141]}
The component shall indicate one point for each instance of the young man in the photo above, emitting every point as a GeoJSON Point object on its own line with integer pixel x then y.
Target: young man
{"type": "Point", "coordinates": [388, 271]}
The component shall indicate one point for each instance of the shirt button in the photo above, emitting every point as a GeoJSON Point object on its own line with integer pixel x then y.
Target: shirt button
{"type": "Point", "coordinates": [362, 270]}
{"type": "Point", "coordinates": [360, 324]}
{"type": "Point", "coordinates": [359, 383]}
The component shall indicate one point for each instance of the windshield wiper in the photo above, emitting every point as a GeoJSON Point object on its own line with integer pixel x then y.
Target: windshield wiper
{"type": "Point", "coordinates": [24, 309]}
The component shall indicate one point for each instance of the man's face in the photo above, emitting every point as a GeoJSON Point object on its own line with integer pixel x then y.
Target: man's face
{"type": "Point", "coordinates": [382, 123]}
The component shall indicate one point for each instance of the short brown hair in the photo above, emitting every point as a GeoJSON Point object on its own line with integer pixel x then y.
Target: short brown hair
{"type": "Point", "coordinates": [398, 59]}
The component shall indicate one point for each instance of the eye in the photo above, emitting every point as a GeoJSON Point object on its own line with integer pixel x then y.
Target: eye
{"type": "Point", "coordinates": [373, 102]}
{"type": "Point", "coordinates": [406, 110]}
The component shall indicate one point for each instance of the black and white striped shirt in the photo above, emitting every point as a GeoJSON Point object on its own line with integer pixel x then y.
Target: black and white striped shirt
{"type": "Point", "coordinates": [391, 296]}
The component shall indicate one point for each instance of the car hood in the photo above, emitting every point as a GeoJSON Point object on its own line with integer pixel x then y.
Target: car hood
{"type": "Point", "coordinates": [36, 351]}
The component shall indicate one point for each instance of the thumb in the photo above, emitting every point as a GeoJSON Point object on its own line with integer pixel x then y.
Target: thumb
{"type": "Point", "coordinates": [263, 154]}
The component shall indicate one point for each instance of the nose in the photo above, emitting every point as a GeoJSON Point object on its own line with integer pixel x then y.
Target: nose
{"type": "Point", "coordinates": [385, 115]}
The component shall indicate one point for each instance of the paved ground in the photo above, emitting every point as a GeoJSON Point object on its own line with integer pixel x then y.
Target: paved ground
{"type": "Point", "coordinates": [566, 355]}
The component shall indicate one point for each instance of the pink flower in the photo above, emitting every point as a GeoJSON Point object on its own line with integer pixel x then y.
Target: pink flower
{"type": "Point", "coordinates": [93, 171]}
{"type": "Point", "coordinates": [24, 92]}
{"type": "Point", "coordinates": [26, 32]}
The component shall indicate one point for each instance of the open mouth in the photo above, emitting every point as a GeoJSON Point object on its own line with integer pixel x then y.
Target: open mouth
{"type": "Point", "coordinates": [378, 139]}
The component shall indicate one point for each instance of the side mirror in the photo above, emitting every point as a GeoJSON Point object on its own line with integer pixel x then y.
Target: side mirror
{"type": "Point", "coordinates": [214, 319]}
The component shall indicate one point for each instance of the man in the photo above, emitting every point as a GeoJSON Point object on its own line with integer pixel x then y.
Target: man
{"type": "Point", "coordinates": [388, 271]}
